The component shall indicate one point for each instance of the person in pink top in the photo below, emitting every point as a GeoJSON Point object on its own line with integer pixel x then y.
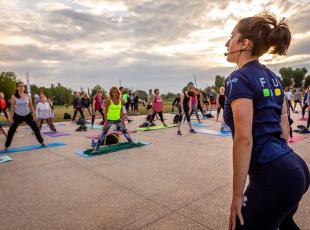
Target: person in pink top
{"type": "Point", "coordinates": [98, 102]}
{"type": "Point", "coordinates": [157, 106]}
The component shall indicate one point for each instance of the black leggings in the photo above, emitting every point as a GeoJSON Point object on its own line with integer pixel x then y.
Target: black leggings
{"type": "Point", "coordinates": [160, 115]}
{"type": "Point", "coordinates": [75, 112]}
{"type": "Point", "coordinates": [17, 120]}
{"type": "Point", "coordinates": [94, 115]}
{"type": "Point", "coordinates": [273, 194]}
{"type": "Point", "coordinates": [303, 111]}
{"type": "Point", "coordinates": [219, 109]}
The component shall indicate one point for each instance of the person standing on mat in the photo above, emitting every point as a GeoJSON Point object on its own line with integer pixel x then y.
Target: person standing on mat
{"type": "Point", "coordinates": [305, 106]}
{"type": "Point", "coordinates": [297, 98]}
{"type": "Point", "coordinates": [194, 102]}
{"type": "Point", "coordinates": [98, 105]}
{"type": "Point", "coordinates": [220, 101]}
{"type": "Point", "coordinates": [113, 116]}
{"type": "Point", "coordinates": [186, 108]}
{"type": "Point", "coordinates": [44, 112]}
{"type": "Point", "coordinates": [157, 106]}
{"type": "Point", "coordinates": [3, 106]}
{"type": "Point", "coordinates": [22, 110]}
{"type": "Point", "coordinates": [86, 102]}
{"type": "Point", "coordinates": [256, 113]}
{"type": "Point", "coordinates": [77, 106]}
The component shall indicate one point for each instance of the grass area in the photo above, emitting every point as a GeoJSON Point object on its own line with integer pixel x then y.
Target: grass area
{"type": "Point", "coordinates": [59, 111]}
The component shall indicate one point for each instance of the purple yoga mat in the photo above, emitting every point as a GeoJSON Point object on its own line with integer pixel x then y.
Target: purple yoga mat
{"type": "Point", "coordinates": [55, 134]}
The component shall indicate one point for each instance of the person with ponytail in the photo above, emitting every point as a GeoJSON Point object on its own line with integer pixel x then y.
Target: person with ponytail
{"type": "Point", "coordinates": [256, 113]}
{"type": "Point", "coordinates": [22, 110]}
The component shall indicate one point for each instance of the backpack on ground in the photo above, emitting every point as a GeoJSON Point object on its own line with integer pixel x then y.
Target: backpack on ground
{"type": "Point", "coordinates": [67, 116]}
{"type": "Point", "coordinates": [110, 139]}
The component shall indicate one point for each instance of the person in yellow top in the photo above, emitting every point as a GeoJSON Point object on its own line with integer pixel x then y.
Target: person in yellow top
{"type": "Point", "coordinates": [113, 116]}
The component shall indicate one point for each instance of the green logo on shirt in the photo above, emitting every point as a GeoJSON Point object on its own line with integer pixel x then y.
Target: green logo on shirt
{"type": "Point", "coordinates": [266, 92]}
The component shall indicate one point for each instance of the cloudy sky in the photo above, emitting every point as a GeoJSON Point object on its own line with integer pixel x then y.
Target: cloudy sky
{"type": "Point", "coordinates": [143, 43]}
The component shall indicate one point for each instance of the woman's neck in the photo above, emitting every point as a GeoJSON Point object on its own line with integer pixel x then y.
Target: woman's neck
{"type": "Point", "coordinates": [243, 60]}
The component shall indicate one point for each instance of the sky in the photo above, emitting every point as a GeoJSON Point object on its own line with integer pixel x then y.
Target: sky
{"type": "Point", "coordinates": [141, 44]}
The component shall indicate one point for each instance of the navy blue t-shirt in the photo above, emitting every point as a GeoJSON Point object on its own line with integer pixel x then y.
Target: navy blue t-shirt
{"type": "Point", "coordinates": [256, 82]}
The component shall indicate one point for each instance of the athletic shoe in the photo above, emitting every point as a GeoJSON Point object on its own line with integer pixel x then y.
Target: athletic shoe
{"type": "Point", "coordinates": [93, 143]}
{"type": "Point", "coordinates": [192, 131]}
{"type": "Point", "coordinates": [179, 133]}
{"type": "Point", "coordinates": [43, 145]}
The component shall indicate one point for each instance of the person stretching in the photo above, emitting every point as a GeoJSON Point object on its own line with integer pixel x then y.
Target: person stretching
{"type": "Point", "coordinates": [98, 101]}
{"type": "Point", "coordinates": [157, 106]}
{"type": "Point", "coordinates": [22, 110]}
{"type": "Point", "coordinates": [44, 112]}
{"type": "Point", "coordinates": [113, 116]}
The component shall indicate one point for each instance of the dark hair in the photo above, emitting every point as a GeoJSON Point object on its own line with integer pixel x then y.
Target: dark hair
{"type": "Point", "coordinates": [155, 90]}
{"type": "Point", "coordinates": [266, 34]}
{"type": "Point", "coordinates": [16, 91]}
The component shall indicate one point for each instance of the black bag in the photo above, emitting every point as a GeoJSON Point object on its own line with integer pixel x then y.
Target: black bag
{"type": "Point", "coordinates": [110, 139]}
{"type": "Point", "coordinates": [81, 121]}
{"type": "Point", "coordinates": [67, 116]}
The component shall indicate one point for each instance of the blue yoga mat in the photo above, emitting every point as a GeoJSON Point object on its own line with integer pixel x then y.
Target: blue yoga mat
{"type": "Point", "coordinates": [32, 147]}
{"type": "Point", "coordinates": [213, 132]}
{"type": "Point", "coordinates": [94, 126]}
{"type": "Point", "coordinates": [5, 159]}
{"type": "Point", "coordinates": [197, 124]}
{"type": "Point", "coordinates": [81, 152]}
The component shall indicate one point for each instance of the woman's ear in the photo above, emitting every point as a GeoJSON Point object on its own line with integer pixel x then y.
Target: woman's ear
{"type": "Point", "coordinates": [247, 44]}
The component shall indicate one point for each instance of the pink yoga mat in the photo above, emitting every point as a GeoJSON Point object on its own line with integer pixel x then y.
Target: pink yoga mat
{"type": "Point", "coordinates": [305, 119]}
{"type": "Point", "coordinates": [296, 138]}
{"type": "Point", "coordinates": [95, 136]}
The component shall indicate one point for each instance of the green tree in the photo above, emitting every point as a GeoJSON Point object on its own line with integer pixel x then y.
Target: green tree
{"type": "Point", "coordinates": [219, 82]}
{"type": "Point", "coordinates": [286, 76]}
{"type": "Point", "coordinates": [307, 81]}
{"type": "Point", "coordinates": [8, 83]}
{"type": "Point", "coordinates": [142, 94]}
{"type": "Point", "coordinates": [298, 76]}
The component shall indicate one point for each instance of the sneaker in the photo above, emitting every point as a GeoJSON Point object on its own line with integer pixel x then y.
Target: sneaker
{"type": "Point", "coordinates": [43, 145]}
{"type": "Point", "coordinates": [179, 133]}
{"type": "Point", "coordinates": [192, 131]}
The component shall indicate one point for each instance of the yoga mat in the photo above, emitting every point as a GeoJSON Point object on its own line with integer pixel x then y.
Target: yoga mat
{"type": "Point", "coordinates": [32, 147]}
{"type": "Point", "coordinates": [296, 138]}
{"type": "Point", "coordinates": [4, 123]}
{"type": "Point", "coordinates": [213, 132]}
{"type": "Point", "coordinates": [95, 136]}
{"type": "Point", "coordinates": [94, 126]}
{"type": "Point", "coordinates": [112, 148]}
{"type": "Point", "coordinates": [155, 127]}
{"type": "Point", "coordinates": [200, 125]}
{"type": "Point", "coordinates": [5, 159]}
{"type": "Point", "coordinates": [55, 134]}
{"type": "Point", "coordinates": [305, 119]}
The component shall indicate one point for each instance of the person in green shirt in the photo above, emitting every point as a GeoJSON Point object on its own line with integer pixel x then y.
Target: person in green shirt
{"type": "Point", "coordinates": [113, 116]}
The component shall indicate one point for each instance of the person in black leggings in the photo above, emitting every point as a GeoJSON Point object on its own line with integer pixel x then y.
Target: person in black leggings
{"type": "Point", "coordinates": [220, 101]}
{"type": "Point", "coordinates": [256, 113]}
{"type": "Point", "coordinates": [185, 107]}
{"type": "Point", "coordinates": [22, 110]}
{"type": "Point", "coordinates": [77, 106]}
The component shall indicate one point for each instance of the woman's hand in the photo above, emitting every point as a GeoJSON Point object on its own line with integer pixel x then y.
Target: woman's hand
{"type": "Point", "coordinates": [235, 211]}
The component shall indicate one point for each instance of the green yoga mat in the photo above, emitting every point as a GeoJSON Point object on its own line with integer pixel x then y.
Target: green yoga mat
{"type": "Point", "coordinates": [111, 148]}
{"type": "Point", "coordinates": [155, 127]}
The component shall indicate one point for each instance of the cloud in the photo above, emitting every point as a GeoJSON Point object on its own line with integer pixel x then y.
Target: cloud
{"type": "Point", "coordinates": [144, 43]}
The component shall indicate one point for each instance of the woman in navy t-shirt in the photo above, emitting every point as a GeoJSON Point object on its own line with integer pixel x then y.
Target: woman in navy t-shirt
{"type": "Point", "coordinates": [257, 115]}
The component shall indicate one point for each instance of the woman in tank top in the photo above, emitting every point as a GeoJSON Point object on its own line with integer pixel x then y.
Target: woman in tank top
{"type": "Point", "coordinates": [113, 116]}
{"type": "Point", "coordinates": [22, 110]}
{"type": "Point", "coordinates": [98, 102]}
{"type": "Point", "coordinates": [220, 101]}
{"type": "Point", "coordinates": [157, 106]}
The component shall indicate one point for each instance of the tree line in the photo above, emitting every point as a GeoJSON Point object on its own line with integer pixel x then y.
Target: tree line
{"type": "Point", "coordinates": [63, 95]}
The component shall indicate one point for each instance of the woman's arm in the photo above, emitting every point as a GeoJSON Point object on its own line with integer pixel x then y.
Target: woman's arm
{"type": "Point", "coordinates": [242, 147]}
{"type": "Point", "coordinates": [218, 100]}
{"type": "Point", "coordinates": [181, 102]}
{"type": "Point", "coordinates": [106, 108]}
{"type": "Point", "coordinates": [284, 122]}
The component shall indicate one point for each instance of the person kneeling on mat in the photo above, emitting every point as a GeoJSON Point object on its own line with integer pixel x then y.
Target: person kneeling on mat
{"type": "Point", "coordinates": [113, 116]}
